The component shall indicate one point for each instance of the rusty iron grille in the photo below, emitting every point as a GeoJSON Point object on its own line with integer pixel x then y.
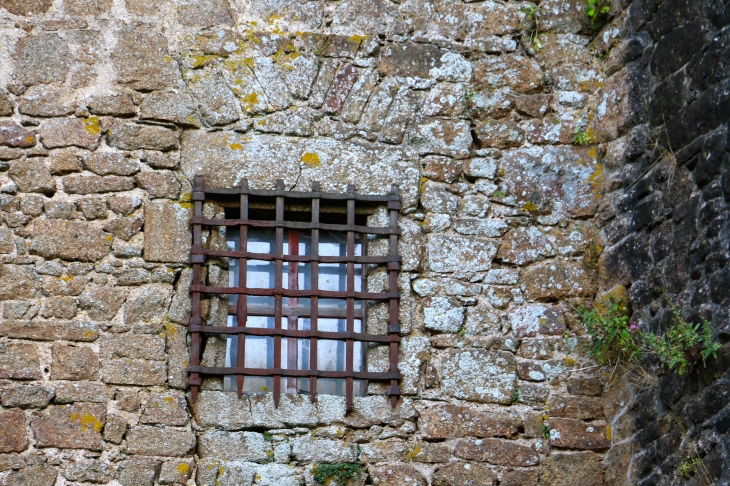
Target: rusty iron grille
{"type": "Point", "coordinates": [285, 299]}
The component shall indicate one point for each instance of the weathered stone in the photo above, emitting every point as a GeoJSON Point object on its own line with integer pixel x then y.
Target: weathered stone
{"type": "Point", "coordinates": [67, 132]}
{"type": "Point", "coordinates": [178, 108]}
{"type": "Point", "coordinates": [444, 137]}
{"type": "Point", "coordinates": [61, 307]}
{"type": "Point", "coordinates": [41, 59]}
{"type": "Point", "coordinates": [45, 101]}
{"type": "Point", "coordinates": [31, 396]}
{"type": "Point", "coordinates": [224, 157]}
{"type": "Point", "coordinates": [65, 162]}
{"type": "Point", "coordinates": [142, 62]}
{"type": "Point", "coordinates": [396, 475]}
{"type": "Point", "coordinates": [145, 440]}
{"type": "Point", "coordinates": [50, 330]}
{"type": "Point", "coordinates": [110, 163]}
{"type": "Point", "coordinates": [12, 461]}
{"type": "Point", "coordinates": [37, 475]}
{"type": "Point", "coordinates": [441, 169]}
{"type": "Point", "coordinates": [167, 234]}
{"type": "Point", "coordinates": [460, 253]}
{"type": "Point", "coordinates": [93, 208]}
{"type": "Point", "coordinates": [74, 363]}
{"type": "Point", "coordinates": [519, 477]}
{"type": "Point", "coordinates": [222, 410]}
{"type": "Point", "coordinates": [96, 184]}
{"type": "Point", "coordinates": [70, 426]}
{"type": "Point", "coordinates": [464, 474]}
{"type": "Point", "coordinates": [497, 451]}
{"type": "Point", "coordinates": [138, 471]}
{"type": "Point", "coordinates": [32, 175]}
{"type": "Point", "coordinates": [499, 134]}
{"type": "Point", "coordinates": [165, 409]}
{"type": "Point", "coordinates": [526, 244]}
{"type": "Point", "coordinates": [556, 280]}
{"type": "Point", "coordinates": [102, 303]}
{"type": "Point", "coordinates": [478, 375]}
{"type": "Point", "coordinates": [132, 136]}
{"type": "Point", "coordinates": [537, 320]}
{"type": "Point", "coordinates": [111, 104]}
{"type": "Point", "coordinates": [115, 429]}
{"type": "Point", "coordinates": [123, 228]}
{"type": "Point", "coordinates": [556, 180]}
{"type": "Point", "coordinates": [243, 446]}
{"type": "Point", "coordinates": [585, 470]}
{"type": "Point", "coordinates": [26, 7]}
{"type": "Point", "coordinates": [133, 372]}
{"type": "Point", "coordinates": [322, 450]}
{"type": "Point", "coordinates": [480, 167]}
{"type": "Point", "coordinates": [176, 472]}
{"type": "Point", "coordinates": [382, 450]}
{"type": "Point", "coordinates": [437, 200]}
{"type": "Point", "coordinates": [69, 240]}
{"type": "Point", "coordinates": [409, 60]}
{"type": "Point", "coordinates": [297, 121]}
{"type": "Point", "coordinates": [586, 408]}
{"type": "Point", "coordinates": [492, 227]}
{"type": "Point", "coordinates": [13, 435]}
{"type": "Point", "coordinates": [14, 135]}
{"type": "Point", "coordinates": [217, 102]}
{"type": "Point", "coordinates": [159, 184]}
{"type": "Point", "coordinates": [83, 392]}
{"type": "Point", "coordinates": [481, 320]}
{"type": "Point", "coordinates": [136, 346]}
{"type": "Point", "coordinates": [18, 281]}
{"type": "Point", "coordinates": [446, 421]}
{"type": "Point", "coordinates": [343, 82]}
{"type": "Point", "coordinates": [19, 361]}
{"type": "Point", "coordinates": [576, 434]}
{"type": "Point", "coordinates": [89, 471]}
{"type": "Point", "coordinates": [522, 74]}
{"type": "Point", "coordinates": [583, 385]}
{"type": "Point", "coordinates": [442, 314]}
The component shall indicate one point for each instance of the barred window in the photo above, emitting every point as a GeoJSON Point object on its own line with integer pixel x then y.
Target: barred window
{"type": "Point", "coordinates": [298, 299]}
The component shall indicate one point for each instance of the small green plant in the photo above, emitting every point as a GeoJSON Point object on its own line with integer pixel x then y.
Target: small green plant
{"type": "Point", "coordinates": [598, 11]}
{"type": "Point", "coordinates": [581, 137]}
{"type": "Point", "coordinates": [268, 437]}
{"type": "Point", "coordinates": [516, 397]}
{"type": "Point", "coordinates": [688, 467]}
{"type": "Point", "coordinates": [533, 35]}
{"type": "Point", "coordinates": [545, 430]}
{"type": "Point", "coordinates": [614, 340]}
{"type": "Point", "coordinates": [684, 344]}
{"type": "Point", "coordinates": [469, 98]}
{"type": "Point", "coordinates": [341, 473]}
{"type": "Point", "coordinates": [499, 194]}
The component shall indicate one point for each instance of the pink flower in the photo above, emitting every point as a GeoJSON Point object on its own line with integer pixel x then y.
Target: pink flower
{"type": "Point", "coordinates": [633, 327]}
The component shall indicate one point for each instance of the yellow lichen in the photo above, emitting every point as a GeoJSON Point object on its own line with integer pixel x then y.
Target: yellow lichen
{"type": "Point", "coordinates": [236, 146]}
{"type": "Point", "coordinates": [608, 432]}
{"type": "Point", "coordinates": [183, 469]}
{"type": "Point", "coordinates": [311, 159]}
{"type": "Point", "coordinates": [89, 334]}
{"type": "Point", "coordinates": [88, 420]}
{"type": "Point", "coordinates": [167, 399]}
{"type": "Point", "coordinates": [413, 453]}
{"type": "Point", "coordinates": [92, 125]}
{"type": "Point", "coordinates": [29, 139]}
{"type": "Point", "coordinates": [530, 206]}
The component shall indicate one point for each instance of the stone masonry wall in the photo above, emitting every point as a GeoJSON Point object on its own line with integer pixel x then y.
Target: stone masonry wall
{"type": "Point", "coordinates": [665, 222]}
{"type": "Point", "coordinates": [109, 108]}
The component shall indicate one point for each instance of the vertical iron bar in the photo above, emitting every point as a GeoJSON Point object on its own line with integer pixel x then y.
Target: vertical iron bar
{"type": "Point", "coordinates": [393, 326]}
{"type": "Point", "coordinates": [241, 304]}
{"type": "Point", "coordinates": [314, 304]}
{"type": "Point", "coordinates": [278, 277]}
{"type": "Point", "coordinates": [349, 350]}
{"type": "Point", "coordinates": [292, 349]}
{"type": "Point", "coordinates": [196, 318]}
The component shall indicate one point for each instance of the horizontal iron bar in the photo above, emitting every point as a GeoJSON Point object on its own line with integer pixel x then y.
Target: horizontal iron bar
{"type": "Point", "coordinates": [269, 310]}
{"type": "Point", "coordinates": [325, 294]}
{"type": "Point", "coordinates": [358, 375]}
{"type": "Point", "coordinates": [296, 333]}
{"type": "Point", "coordinates": [302, 195]}
{"type": "Point", "coordinates": [298, 258]}
{"type": "Point", "coordinates": [373, 230]}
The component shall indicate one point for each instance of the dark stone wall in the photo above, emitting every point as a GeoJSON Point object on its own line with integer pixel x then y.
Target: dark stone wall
{"type": "Point", "coordinates": [667, 229]}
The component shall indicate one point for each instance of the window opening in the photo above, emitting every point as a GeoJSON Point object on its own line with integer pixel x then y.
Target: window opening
{"type": "Point", "coordinates": [297, 292]}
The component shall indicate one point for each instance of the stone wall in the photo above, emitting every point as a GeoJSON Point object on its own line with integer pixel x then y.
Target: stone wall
{"type": "Point", "coordinates": [667, 231]}
{"type": "Point", "coordinates": [110, 107]}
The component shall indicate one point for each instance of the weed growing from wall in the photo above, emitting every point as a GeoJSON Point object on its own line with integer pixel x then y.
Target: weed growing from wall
{"type": "Point", "coordinates": [615, 341]}
{"type": "Point", "coordinates": [598, 12]}
{"type": "Point", "coordinates": [533, 34]}
{"type": "Point", "coordinates": [341, 473]}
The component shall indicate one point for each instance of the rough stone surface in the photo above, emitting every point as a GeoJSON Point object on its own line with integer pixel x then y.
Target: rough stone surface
{"type": "Point", "coordinates": [167, 230]}
{"type": "Point", "coordinates": [452, 421]}
{"type": "Point", "coordinates": [70, 240]}
{"type": "Point", "coordinates": [479, 375]}
{"type": "Point", "coordinates": [13, 435]}
{"type": "Point", "coordinates": [70, 426]}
